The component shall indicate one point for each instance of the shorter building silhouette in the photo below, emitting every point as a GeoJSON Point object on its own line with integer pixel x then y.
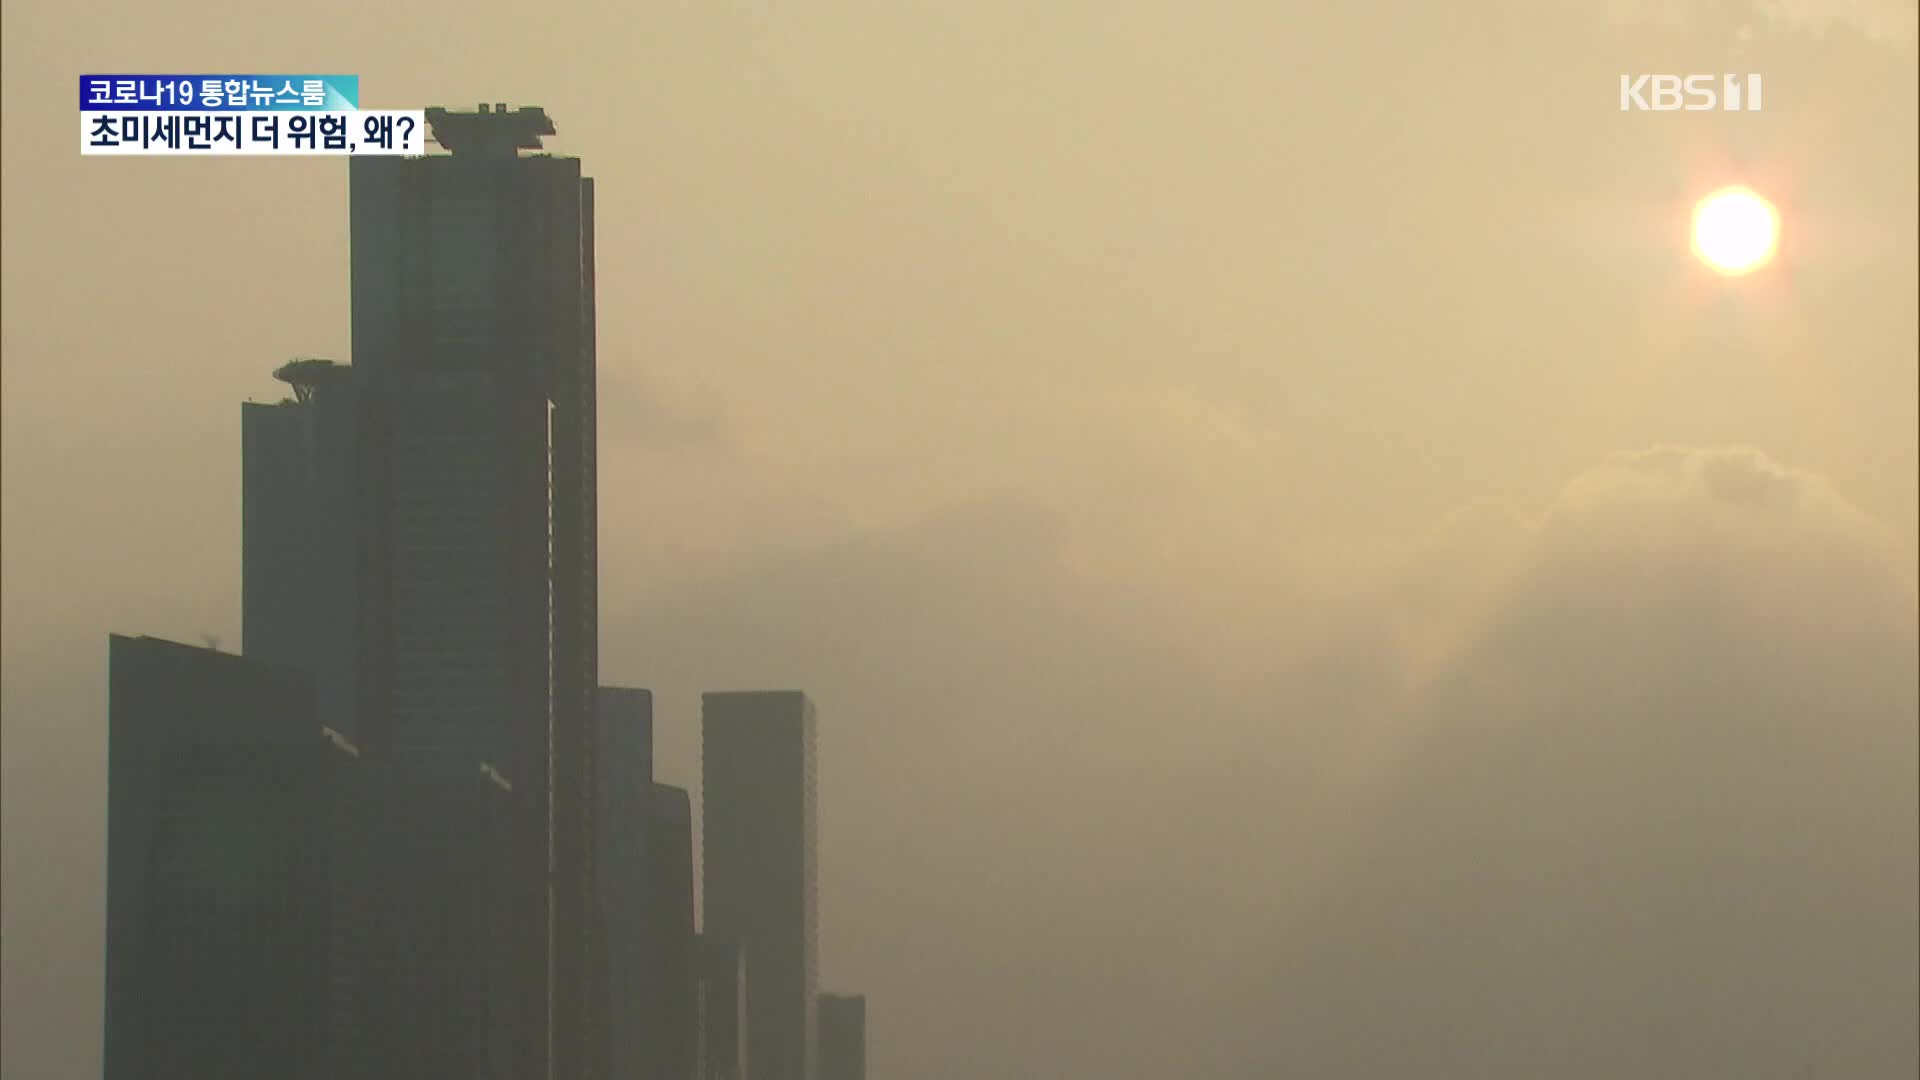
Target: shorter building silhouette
{"type": "Point", "coordinates": [299, 509]}
{"type": "Point", "coordinates": [623, 820]}
{"type": "Point", "coordinates": [235, 872]}
{"type": "Point", "coordinates": [723, 1009]}
{"type": "Point", "coordinates": [444, 992]}
{"type": "Point", "coordinates": [758, 824]}
{"type": "Point", "coordinates": [843, 1036]}
{"type": "Point", "coordinates": [675, 1019]}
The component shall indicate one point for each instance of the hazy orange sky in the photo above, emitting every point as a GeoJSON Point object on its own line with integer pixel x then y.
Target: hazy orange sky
{"type": "Point", "coordinates": [1214, 464]}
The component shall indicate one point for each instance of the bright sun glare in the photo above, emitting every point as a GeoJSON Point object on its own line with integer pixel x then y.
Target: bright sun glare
{"type": "Point", "coordinates": [1735, 230]}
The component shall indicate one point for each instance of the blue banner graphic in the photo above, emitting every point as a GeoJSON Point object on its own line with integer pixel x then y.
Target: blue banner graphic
{"type": "Point", "coordinates": [219, 93]}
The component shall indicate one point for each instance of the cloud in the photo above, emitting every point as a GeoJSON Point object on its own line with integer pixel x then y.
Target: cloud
{"type": "Point", "coordinates": [1426, 590]}
{"type": "Point", "coordinates": [1656, 818]}
{"type": "Point", "coordinates": [1889, 22]}
{"type": "Point", "coordinates": [1728, 480]}
{"type": "Point", "coordinates": [970, 604]}
{"type": "Point", "coordinates": [1893, 22]}
{"type": "Point", "coordinates": [1010, 752]}
{"type": "Point", "coordinates": [634, 412]}
{"type": "Point", "coordinates": [1642, 807]}
{"type": "Point", "coordinates": [1653, 792]}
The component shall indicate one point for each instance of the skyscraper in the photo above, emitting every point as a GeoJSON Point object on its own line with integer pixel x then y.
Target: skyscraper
{"type": "Point", "coordinates": [676, 1026]}
{"type": "Point", "coordinates": [757, 763]}
{"type": "Point", "coordinates": [234, 872]}
{"type": "Point", "coordinates": [444, 996]}
{"type": "Point", "coordinates": [624, 762]}
{"type": "Point", "coordinates": [843, 1037]}
{"type": "Point", "coordinates": [723, 1008]}
{"type": "Point", "coordinates": [299, 583]}
{"type": "Point", "coordinates": [473, 345]}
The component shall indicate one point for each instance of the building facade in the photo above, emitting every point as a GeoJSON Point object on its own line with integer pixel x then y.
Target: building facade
{"type": "Point", "coordinates": [473, 353]}
{"type": "Point", "coordinates": [443, 977]}
{"type": "Point", "coordinates": [759, 889]}
{"type": "Point", "coordinates": [675, 1020]}
{"type": "Point", "coordinates": [299, 574]}
{"type": "Point", "coordinates": [843, 1037]}
{"type": "Point", "coordinates": [624, 763]}
{"type": "Point", "coordinates": [723, 1008]}
{"type": "Point", "coordinates": [235, 876]}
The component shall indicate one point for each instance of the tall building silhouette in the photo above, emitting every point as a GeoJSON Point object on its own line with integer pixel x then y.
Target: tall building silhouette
{"type": "Point", "coordinates": [473, 347]}
{"type": "Point", "coordinates": [843, 1037]}
{"type": "Point", "coordinates": [723, 1008]}
{"type": "Point", "coordinates": [299, 508]}
{"type": "Point", "coordinates": [624, 761]}
{"type": "Point", "coordinates": [234, 876]}
{"type": "Point", "coordinates": [675, 1025]}
{"type": "Point", "coordinates": [442, 990]}
{"type": "Point", "coordinates": [758, 832]}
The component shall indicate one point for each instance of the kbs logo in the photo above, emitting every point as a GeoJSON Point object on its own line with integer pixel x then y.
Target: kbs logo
{"type": "Point", "coordinates": [1691, 93]}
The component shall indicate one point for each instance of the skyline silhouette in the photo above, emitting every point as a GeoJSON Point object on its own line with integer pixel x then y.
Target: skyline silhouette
{"type": "Point", "coordinates": [466, 883]}
{"type": "Point", "coordinates": [1282, 526]}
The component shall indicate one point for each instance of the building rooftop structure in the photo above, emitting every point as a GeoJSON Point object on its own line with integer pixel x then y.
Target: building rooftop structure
{"type": "Point", "coordinates": [307, 374]}
{"type": "Point", "coordinates": [490, 132]}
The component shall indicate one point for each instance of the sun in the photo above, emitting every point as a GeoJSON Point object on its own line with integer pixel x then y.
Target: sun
{"type": "Point", "coordinates": [1735, 231]}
